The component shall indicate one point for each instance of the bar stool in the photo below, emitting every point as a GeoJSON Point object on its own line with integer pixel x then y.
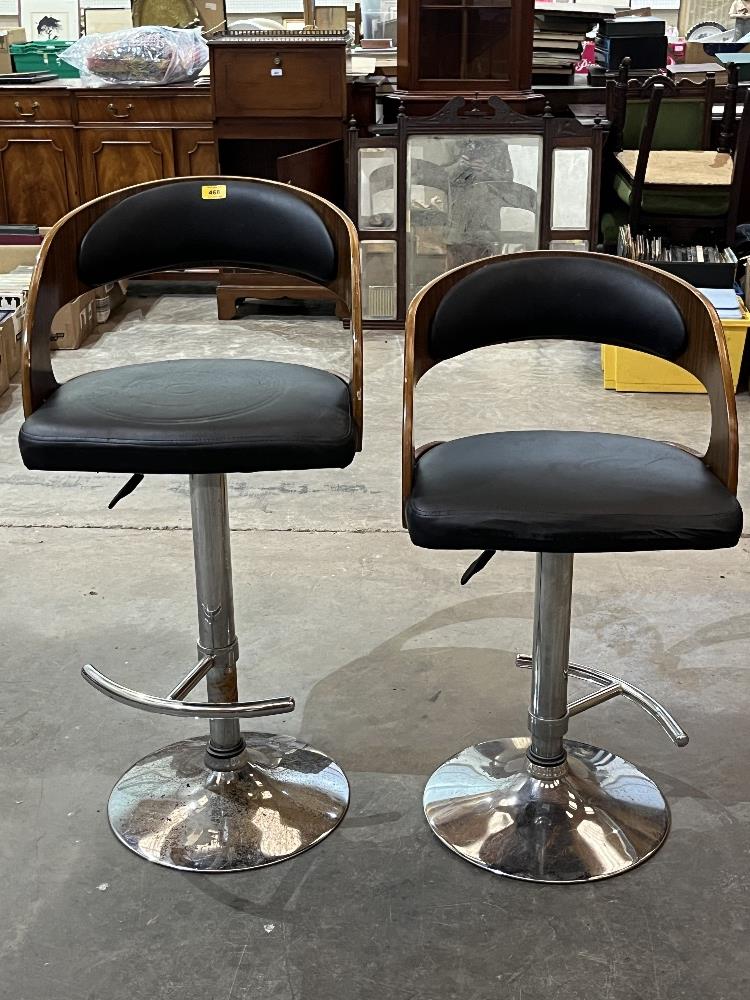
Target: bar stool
{"type": "Point", "coordinates": [544, 808]}
{"type": "Point", "coordinates": [237, 800]}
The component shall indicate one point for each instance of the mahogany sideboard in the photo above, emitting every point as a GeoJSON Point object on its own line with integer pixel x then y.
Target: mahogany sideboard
{"type": "Point", "coordinates": [62, 144]}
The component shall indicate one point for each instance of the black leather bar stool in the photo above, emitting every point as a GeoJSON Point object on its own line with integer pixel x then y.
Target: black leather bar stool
{"type": "Point", "coordinates": [237, 800]}
{"type": "Point", "coordinates": [548, 809]}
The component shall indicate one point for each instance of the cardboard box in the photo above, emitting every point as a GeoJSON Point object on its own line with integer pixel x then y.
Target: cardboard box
{"type": "Point", "coordinates": [4, 369]}
{"type": "Point", "coordinates": [11, 340]}
{"type": "Point", "coordinates": [4, 376]}
{"type": "Point", "coordinates": [109, 298]}
{"type": "Point", "coordinates": [74, 322]}
{"type": "Point", "coordinates": [12, 257]}
{"type": "Point", "coordinates": [8, 37]}
{"type": "Point", "coordinates": [695, 53]}
{"type": "Point", "coordinates": [212, 13]}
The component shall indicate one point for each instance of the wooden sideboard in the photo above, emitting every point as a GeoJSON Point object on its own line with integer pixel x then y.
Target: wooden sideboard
{"type": "Point", "coordinates": [62, 144]}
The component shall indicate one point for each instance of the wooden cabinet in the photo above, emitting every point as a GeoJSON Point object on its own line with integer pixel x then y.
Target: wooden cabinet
{"type": "Point", "coordinates": [62, 144]}
{"type": "Point", "coordinates": [195, 152]}
{"type": "Point", "coordinates": [39, 175]}
{"type": "Point", "coordinates": [115, 158]}
{"type": "Point", "coordinates": [264, 79]}
{"type": "Point", "coordinates": [465, 46]}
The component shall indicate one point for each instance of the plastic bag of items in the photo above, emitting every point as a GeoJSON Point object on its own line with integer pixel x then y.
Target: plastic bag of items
{"type": "Point", "coordinates": [148, 55]}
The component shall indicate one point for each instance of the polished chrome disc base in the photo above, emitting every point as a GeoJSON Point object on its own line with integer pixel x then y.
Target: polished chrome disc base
{"type": "Point", "coordinates": [599, 817]}
{"type": "Point", "coordinates": [282, 798]}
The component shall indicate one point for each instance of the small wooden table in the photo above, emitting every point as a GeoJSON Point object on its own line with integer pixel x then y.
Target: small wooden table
{"type": "Point", "coordinates": [681, 167]}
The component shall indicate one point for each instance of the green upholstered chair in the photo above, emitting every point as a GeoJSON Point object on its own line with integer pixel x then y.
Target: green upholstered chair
{"type": "Point", "coordinates": [661, 116]}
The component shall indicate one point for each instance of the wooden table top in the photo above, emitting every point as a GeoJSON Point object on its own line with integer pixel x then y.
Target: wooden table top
{"type": "Point", "coordinates": [677, 167]}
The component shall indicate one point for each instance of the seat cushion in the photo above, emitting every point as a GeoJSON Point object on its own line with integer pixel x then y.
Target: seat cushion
{"type": "Point", "coordinates": [193, 416]}
{"type": "Point", "coordinates": [568, 491]}
{"type": "Point", "coordinates": [680, 200]}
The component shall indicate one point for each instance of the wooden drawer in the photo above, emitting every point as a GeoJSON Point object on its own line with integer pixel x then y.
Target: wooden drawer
{"type": "Point", "coordinates": [34, 106]}
{"type": "Point", "coordinates": [279, 82]}
{"type": "Point", "coordinates": [124, 107]}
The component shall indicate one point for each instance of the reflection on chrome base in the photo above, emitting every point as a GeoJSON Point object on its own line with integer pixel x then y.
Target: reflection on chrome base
{"type": "Point", "coordinates": [276, 799]}
{"type": "Point", "coordinates": [595, 816]}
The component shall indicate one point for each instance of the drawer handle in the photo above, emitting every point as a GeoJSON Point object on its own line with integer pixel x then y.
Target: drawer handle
{"type": "Point", "coordinates": [116, 114]}
{"type": "Point", "coordinates": [26, 114]}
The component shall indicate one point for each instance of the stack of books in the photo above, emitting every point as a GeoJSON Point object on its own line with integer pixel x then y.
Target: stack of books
{"type": "Point", "coordinates": [559, 34]}
{"type": "Point", "coordinates": [555, 56]}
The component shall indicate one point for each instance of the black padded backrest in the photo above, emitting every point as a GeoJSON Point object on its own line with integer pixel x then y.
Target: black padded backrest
{"type": "Point", "coordinates": [557, 298]}
{"type": "Point", "coordinates": [196, 224]}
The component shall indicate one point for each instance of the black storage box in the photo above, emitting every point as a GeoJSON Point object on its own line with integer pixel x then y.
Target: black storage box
{"type": "Point", "coordinates": [700, 273]}
{"type": "Point", "coordinates": [648, 52]}
{"type": "Point", "coordinates": [639, 27]}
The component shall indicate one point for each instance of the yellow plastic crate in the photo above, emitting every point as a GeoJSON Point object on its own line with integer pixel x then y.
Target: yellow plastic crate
{"type": "Point", "coordinates": [630, 371]}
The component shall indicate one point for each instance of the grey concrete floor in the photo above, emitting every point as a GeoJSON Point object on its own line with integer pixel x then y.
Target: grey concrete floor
{"type": "Point", "coordinates": [394, 668]}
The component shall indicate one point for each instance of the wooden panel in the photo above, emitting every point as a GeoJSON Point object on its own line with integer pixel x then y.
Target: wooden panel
{"type": "Point", "coordinates": [30, 106]}
{"type": "Point", "coordinates": [38, 177]}
{"type": "Point", "coordinates": [139, 107]}
{"type": "Point", "coordinates": [280, 128]}
{"type": "Point", "coordinates": [195, 152]}
{"type": "Point", "coordinates": [312, 81]}
{"type": "Point", "coordinates": [319, 170]}
{"type": "Point", "coordinates": [117, 158]}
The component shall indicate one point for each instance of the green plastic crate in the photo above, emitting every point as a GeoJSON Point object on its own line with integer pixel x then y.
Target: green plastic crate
{"type": "Point", "coordinates": [42, 57]}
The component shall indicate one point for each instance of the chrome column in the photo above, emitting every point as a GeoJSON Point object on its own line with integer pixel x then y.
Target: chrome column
{"type": "Point", "coordinates": [213, 581]}
{"type": "Point", "coordinates": [548, 713]}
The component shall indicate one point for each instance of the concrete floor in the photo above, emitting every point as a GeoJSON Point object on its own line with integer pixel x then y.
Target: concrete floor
{"type": "Point", "coordinates": [394, 667]}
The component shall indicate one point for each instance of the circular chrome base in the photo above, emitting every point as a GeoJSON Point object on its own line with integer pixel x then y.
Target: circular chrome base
{"type": "Point", "coordinates": [593, 817]}
{"type": "Point", "coordinates": [280, 798]}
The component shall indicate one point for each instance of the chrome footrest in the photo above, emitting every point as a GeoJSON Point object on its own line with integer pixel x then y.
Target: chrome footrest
{"type": "Point", "coordinates": [611, 687]}
{"type": "Point", "coordinates": [185, 709]}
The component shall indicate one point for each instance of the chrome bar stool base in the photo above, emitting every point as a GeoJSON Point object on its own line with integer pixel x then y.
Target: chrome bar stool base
{"type": "Point", "coordinates": [594, 816]}
{"type": "Point", "coordinates": [181, 808]}
{"type": "Point", "coordinates": [228, 801]}
{"type": "Point", "coordinates": [543, 808]}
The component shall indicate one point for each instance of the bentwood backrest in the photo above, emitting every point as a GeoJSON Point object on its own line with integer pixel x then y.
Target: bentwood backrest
{"type": "Point", "coordinates": [191, 222]}
{"type": "Point", "coordinates": [547, 294]}
{"type": "Point", "coordinates": [240, 223]}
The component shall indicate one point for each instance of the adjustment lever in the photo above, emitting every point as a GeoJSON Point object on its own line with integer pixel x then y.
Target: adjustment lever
{"type": "Point", "coordinates": [477, 566]}
{"type": "Point", "coordinates": [132, 484]}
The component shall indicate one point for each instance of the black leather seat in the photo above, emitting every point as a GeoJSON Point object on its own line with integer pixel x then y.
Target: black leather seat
{"type": "Point", "coordinates": [567, 491]}
{"type": "Point", "coordinates": [203, 416]}
{"type": "Point", "coordinates": [208, 415]}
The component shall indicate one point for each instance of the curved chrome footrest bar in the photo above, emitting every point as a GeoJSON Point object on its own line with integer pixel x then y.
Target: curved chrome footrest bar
{"type": "Point", "coordinates": [611, 687]}
{"type": "Point", "coordinates": [184, 709]}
